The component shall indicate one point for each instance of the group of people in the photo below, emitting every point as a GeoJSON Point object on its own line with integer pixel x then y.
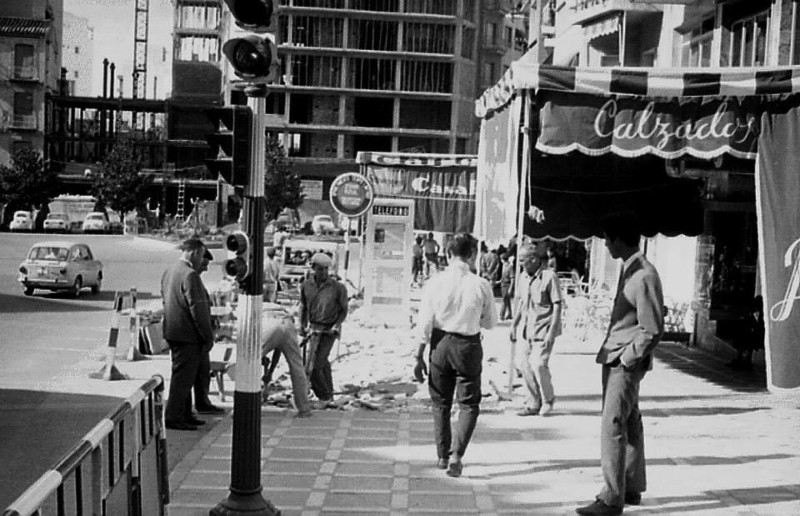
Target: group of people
{"type": "Point", "coordinates": [189, 330]}
{"type": "Point", "coordinates": [458, 304]}
{"type": "Point", "coordinates": [425, 257]}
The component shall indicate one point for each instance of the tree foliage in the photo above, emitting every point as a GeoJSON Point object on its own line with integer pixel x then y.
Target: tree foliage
{"type": "Point", "coordinates": [27, 183]}
{"type": "Point", "coordinates": [282, 189]}
{"type": "Point", "coordinates": [120, 185]}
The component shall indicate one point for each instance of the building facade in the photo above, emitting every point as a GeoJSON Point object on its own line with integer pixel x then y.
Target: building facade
{"type": "Point", "coordinates": [30, 65]}
{"type": "Point", "coordinates": [77, 51]}
{"type": "Point", "coordinates": [699, 34]}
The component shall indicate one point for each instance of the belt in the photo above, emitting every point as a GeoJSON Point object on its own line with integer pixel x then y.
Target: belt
{"type": "Point", "coordinates": [437, 335]}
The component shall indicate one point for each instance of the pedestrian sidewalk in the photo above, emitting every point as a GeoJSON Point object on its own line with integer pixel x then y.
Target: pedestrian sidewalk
{"type": "Point", "coordinates": [715, 446]}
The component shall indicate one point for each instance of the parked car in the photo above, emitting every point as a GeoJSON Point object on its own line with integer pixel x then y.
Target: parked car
{"type": "Point", "coordinates": [22, 221]}
{"type": "Point", "coordinates": [60, 266]}
{"type": "Point", "coordinates": [56, 223]}
{"type": "Point", "coordinates": [322, 224]}
{"type": "Point", "coordinates": [96, 222]}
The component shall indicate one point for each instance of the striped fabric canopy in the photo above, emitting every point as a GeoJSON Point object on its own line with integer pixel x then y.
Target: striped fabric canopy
{"type": "Point", "coordinates": [649, 82]}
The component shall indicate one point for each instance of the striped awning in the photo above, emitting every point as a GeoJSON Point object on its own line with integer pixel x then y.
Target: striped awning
{"type": "Point", "coordinates": [23, 27]}
{"type": "Point", "coordinates": [648, 82]}
{"type": "Point", "coordinates": [601, 27]}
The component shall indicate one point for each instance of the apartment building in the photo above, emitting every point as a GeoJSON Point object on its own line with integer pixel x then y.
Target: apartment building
{"type": "Point", "coordinates": [30, 64]}
{"type": "Point", "coordinates": [77, 51]}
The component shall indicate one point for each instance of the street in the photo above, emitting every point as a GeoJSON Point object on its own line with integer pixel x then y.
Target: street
{"type": "Point", "coordinates": [48, 340]}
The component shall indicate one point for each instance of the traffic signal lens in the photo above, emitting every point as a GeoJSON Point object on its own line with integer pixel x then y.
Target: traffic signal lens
{"type": "Point", "coordinates": [248, 59]}
{"type": "Point", "coordinates": [250, 56]}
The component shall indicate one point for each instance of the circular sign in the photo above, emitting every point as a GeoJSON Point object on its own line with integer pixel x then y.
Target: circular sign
{"type": "Point", "coordinates": [351, 194]}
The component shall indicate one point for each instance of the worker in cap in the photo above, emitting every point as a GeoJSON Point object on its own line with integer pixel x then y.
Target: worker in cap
{"type": "Point", "coordinates": [323, 309]}
{"type": "Point", "coordinates": [321, 260]}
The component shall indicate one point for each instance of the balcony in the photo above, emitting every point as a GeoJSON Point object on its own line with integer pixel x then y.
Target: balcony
{"type": "Point", "coordinates": [24, 122]}
{"type": "Point", "coordinates": [25, 73]}
{"type": "Point", "coordinates": [581, 11]}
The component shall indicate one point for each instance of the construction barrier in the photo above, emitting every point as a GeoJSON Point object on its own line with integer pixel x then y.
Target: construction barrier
{"type": "Point", "coordinates": [119, 468]}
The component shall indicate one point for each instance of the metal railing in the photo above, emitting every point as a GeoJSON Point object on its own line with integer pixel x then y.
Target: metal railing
{"type": "Point", "coordinates": [26, 72]}
{"type": "Point", "coordinates": [24, 121]}
{"type": "Point", "coordinates": [119, 468]}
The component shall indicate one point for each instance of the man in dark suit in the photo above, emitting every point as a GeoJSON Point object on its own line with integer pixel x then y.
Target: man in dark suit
{"type": "Point", "coordinates": [187, 330]}
{"type": "Point", "coordinates": [635, 328]}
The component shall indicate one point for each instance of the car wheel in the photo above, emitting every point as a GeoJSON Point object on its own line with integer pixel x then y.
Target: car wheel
{"type": "Point", "coordinates": [76, 287]}
{"type": "Point", "coordinates": [28, 291]}
{"type": "Point", "coordinates": [96, 288]}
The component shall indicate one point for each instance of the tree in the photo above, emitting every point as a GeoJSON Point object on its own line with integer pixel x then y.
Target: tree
{"type": "Point", "coordinates": [120, 185]}
{"type": "Point", "coordinates": [27, 183]}
{"type": "Point", "coordinates": [282, 189]}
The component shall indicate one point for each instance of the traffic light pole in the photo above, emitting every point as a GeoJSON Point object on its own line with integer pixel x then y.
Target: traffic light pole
{"type": "Point", "coordinates": [245, 496]}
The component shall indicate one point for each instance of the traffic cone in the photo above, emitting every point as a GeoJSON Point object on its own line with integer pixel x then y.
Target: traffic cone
{"type": "Point", "coordinates": [109, 372]}
{"type": "Point", "coordinates": [133, 353]}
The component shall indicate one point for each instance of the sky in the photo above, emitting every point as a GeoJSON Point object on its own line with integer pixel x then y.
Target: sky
{"type": "Point", "coordinates": [113, 24]}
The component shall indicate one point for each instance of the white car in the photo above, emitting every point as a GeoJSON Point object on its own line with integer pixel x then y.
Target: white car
{"type": "Point", "coordinates": [56, 223]}
{"type": "Point", "coordinates": [22, 221]}
{"type": "Point", "coordinates": [322, 224]}
{"type": "Point", "coordinates": [96, 222]}
{"type": "Point", "coordinates": [60, 266]}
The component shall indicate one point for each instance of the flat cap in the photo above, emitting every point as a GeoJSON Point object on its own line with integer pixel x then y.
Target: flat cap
{"type": "Point", "coordinates": [321, 259]}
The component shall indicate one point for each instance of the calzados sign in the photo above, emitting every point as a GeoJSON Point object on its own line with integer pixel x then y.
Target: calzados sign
{"type": "Point", "coordinates": [703, 128]}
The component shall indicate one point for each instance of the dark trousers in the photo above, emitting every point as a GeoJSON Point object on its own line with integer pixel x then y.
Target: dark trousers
{"type": "Point", "coordinates": [455, 369]}
{"type": "Point", "coordinates": [621, 435]}
{"type": "Point", "coordinates": [185, 359]}
{"type": "Point", "coordinates": [321, 378]}
{"type": "Point", "coordinates": [202, 381]}
{"type": "Point", "coordinates": [505, 311]}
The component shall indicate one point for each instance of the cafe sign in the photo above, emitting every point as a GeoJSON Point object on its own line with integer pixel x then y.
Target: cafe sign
{"type": "Point", "coordinates": [703, 127]}
{"type": "Point", "coordinates": [351, 194]}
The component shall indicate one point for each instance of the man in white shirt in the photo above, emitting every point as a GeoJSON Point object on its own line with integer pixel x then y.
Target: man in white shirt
{"type": "Point", "coordinates": [456, 304]}
{"type": "Point", "coordinates": [271, 272]}
{"type": "Point", "coordinates": [539, 310]}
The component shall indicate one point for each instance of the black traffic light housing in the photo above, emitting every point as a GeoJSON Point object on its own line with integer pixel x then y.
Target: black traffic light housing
{"type": "Point", "coordinates": [253, 57]}
{"type": "Point", "coordinates": [229, 154]}
{"type": "Point", "coordinates": [238, 267]}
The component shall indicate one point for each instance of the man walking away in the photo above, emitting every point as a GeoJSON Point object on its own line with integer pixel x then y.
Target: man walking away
{"type": "Point", "coordinates": [635, 328]}
{"type": "Point", "coordinates": [507, 285]}
{"type": "Point", "coordinates": [187, 330]}
{"type": "Point", "coordinates": [323, 309]}
{"type": "Point", "coordinates": [540, 307]}
{"type": "Point", "coordinates": [417, 258]}
{"type": "Point", "coordinates": [456, 304]}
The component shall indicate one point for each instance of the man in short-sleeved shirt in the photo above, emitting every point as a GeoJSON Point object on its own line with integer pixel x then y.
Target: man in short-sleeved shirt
{"type": "Point", "coordinates": [323, 309]}
{"type": "Point", "coordinates": [540, 306]}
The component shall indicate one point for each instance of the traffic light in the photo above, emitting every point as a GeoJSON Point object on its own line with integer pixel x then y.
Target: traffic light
{"type": "Point", "coordinates": [230, 144]}
{"type": "Point", "coordinates": [238, 267]}
{"type": "Point", "coordinates": [252, 56]}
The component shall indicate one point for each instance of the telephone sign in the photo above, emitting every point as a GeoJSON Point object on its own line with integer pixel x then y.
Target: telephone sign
{"type": "Point", "coordinates": [351, 194]}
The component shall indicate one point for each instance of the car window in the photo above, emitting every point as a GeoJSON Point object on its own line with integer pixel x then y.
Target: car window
{"type": "Point", "coordinates": [51, 254]}
{"type": "Point", "coordinates": [86, 253]}
{"type": "Point", "coordinates": [95, 217]}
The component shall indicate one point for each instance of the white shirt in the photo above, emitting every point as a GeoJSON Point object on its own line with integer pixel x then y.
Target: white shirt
{"type": "Point", "coordinates": [458, 301]}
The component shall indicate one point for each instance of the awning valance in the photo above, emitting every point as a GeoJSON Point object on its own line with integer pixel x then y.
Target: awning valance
{"type": "Point", "coordinates": [650, 82]}
{"type": "Point", "coordinates": [601, 27]}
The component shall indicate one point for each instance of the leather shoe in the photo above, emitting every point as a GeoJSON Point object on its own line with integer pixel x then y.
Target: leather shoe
{"type": "Point", "coordinates": [443, 463]}
{"type": "Point", "coordinates": [179, 425]}
{"type": "Point", "coordinates": [211, 409]}
{"type": "Point", "coordinates": [454, 470]}
{"type": "Point", "coordinates": [529, 411]}
{"type": "Point", "coordinates": [633, 498]}
{"type": "Point", "coordinates": [195, 421]}
{"type": "Point", "coordinates": [599, 508]}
